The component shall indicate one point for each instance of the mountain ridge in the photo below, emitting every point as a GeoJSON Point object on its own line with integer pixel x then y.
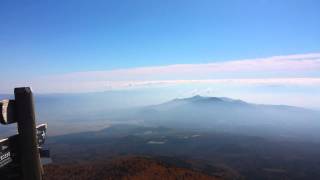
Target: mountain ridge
{"type": "Point", "coordinates": [214, 99]}
{"type": "Point", "coordinates": [236, 116]}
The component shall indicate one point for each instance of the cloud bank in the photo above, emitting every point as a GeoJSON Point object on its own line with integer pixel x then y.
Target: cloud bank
{"type": "Point", "coordinates": [292, 70]}
{"type": "Point", "coordinates": [282, 65]}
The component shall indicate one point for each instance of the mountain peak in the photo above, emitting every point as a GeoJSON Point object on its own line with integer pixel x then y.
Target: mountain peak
{"type": "Point", "coordinates": [206, 99]}
{"type": "Point", "coordinates": [201, 98]}
{"type": "Point", "coordinates": [197, 96]}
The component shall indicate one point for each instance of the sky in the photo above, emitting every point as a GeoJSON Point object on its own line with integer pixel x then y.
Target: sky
{"type": "Point", "coordinates": [264, 51]}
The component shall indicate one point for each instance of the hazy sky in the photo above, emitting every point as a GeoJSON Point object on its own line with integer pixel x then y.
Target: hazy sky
{"type": "Point", "coordinates": [260, 50]}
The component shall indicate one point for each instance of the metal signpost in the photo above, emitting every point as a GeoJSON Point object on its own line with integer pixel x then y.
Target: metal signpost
{"type": "Point", "coordinates": [20, 153]}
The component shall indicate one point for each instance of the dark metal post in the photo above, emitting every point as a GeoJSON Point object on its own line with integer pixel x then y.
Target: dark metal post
{"type": "Point", "coordinates": [28, 148]}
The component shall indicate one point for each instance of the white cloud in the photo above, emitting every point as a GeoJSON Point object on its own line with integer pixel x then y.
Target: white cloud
{"type": "Point", "coordinates": [300, 63]}
{"type": "Point", "coordinates": [93, 86]}
{"type": "Point", "coordinates": [299, 69]}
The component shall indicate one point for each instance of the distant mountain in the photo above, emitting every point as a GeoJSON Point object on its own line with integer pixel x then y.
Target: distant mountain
{"type": "Point", "coordinates": [225, 114]}
{"type": "Point", "coordinates": [222, 101]}
{"type": "Point", "coordinates": [201, 99]}
{"type": "Point", "coordinates": [133, 168]}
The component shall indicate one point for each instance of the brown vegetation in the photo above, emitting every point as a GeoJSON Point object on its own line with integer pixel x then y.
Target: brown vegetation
{"type": "Point", "coordinates": [133, 168]}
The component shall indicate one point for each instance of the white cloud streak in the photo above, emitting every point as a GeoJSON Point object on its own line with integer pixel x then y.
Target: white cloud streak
{"type": "Point", "coordinates": [300, 63]}
{"type": "Point", "coordinates": [121, 85]}
{"type": "Point", "coordinates": [277, 70]}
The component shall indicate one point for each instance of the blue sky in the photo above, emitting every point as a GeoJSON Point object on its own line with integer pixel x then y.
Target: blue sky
{"type": "Point", "coordinates": [64, 36]}
{"type": "Point", "coordinates": [51, 40]}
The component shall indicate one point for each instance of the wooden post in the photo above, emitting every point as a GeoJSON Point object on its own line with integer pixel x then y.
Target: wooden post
{"type": "Point", "coordinates": [28, 148]}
